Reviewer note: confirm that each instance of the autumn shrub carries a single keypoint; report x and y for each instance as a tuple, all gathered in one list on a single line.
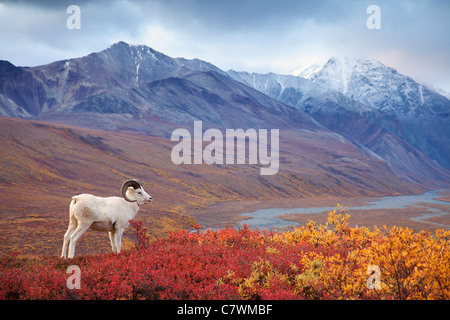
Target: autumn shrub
[(142, 240), (315, 261)]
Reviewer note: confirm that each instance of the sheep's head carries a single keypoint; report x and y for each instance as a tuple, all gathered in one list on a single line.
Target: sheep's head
[(132, 191)]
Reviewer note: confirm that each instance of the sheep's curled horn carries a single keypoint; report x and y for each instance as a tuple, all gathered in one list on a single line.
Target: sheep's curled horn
[(135, 183)]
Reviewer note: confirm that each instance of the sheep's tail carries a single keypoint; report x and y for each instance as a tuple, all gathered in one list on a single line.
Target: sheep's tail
[(74, 200), (72, 204)]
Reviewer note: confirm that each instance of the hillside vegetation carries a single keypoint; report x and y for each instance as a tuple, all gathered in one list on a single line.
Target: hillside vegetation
[(329, 261), (44, 164)]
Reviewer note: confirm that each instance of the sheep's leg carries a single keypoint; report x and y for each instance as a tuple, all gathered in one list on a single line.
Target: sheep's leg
[(112, 238), (70, 229), (118, 235), (82, 228)]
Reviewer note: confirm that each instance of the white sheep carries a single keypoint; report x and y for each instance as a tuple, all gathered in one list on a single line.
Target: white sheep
[(104, 214)]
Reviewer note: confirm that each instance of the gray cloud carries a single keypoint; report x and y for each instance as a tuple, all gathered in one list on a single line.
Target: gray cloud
[(253, 35)]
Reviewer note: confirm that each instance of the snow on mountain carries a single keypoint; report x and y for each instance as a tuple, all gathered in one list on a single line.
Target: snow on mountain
[(296, 91), (63, 85), (278, 86), (339, 73), (135, 88), (305, 72), (408, 109), (378, 86), (347, 93)]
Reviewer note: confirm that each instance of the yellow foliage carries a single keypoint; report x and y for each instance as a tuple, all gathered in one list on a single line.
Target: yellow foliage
[(261, 277), (411, 265), (308, 282)]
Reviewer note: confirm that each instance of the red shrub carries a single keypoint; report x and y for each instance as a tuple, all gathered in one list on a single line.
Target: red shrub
[(222, 264)]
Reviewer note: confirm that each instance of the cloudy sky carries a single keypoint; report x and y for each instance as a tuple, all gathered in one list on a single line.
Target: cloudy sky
[(251, 35)]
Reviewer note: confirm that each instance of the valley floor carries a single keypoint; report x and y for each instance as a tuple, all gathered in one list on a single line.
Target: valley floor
[(41, 234), (316, 261), (44, 164), (423, 216)]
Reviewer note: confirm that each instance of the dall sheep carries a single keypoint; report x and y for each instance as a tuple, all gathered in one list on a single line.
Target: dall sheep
[(104, 214)]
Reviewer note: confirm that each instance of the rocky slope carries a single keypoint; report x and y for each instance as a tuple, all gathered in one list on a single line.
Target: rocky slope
[(406, 108), (408, 141), (137, 89)]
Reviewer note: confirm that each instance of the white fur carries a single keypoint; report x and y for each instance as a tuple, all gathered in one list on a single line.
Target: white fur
[(102, 214)]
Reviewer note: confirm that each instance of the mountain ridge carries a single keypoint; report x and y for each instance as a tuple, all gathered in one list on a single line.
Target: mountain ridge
[(367, 89), (376, 85), (44, 164), (133, 88)]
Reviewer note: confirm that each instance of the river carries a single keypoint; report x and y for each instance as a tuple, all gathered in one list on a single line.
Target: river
[(269, 218)]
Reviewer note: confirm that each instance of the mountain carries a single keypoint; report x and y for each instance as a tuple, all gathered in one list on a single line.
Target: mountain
[(380, 87), (408, 109), (139, 89), (43, 164), (135, 89), (354, 120), (63, 85), (411, 111), (60, 85), (108, 116)]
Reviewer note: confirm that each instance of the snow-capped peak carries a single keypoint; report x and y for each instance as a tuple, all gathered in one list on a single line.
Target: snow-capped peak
[(306, 72), (375, 85), (339, 72)]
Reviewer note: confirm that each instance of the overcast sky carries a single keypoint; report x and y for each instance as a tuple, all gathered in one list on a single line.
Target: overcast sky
[(252, 35)]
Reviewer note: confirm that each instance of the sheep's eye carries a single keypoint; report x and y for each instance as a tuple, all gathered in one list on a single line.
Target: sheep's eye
[(140, 193)]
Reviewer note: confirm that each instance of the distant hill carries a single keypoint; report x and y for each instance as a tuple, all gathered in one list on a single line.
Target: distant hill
[(84, 125), (44, 164), (351, 94), (137, 88), (133, 88)]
